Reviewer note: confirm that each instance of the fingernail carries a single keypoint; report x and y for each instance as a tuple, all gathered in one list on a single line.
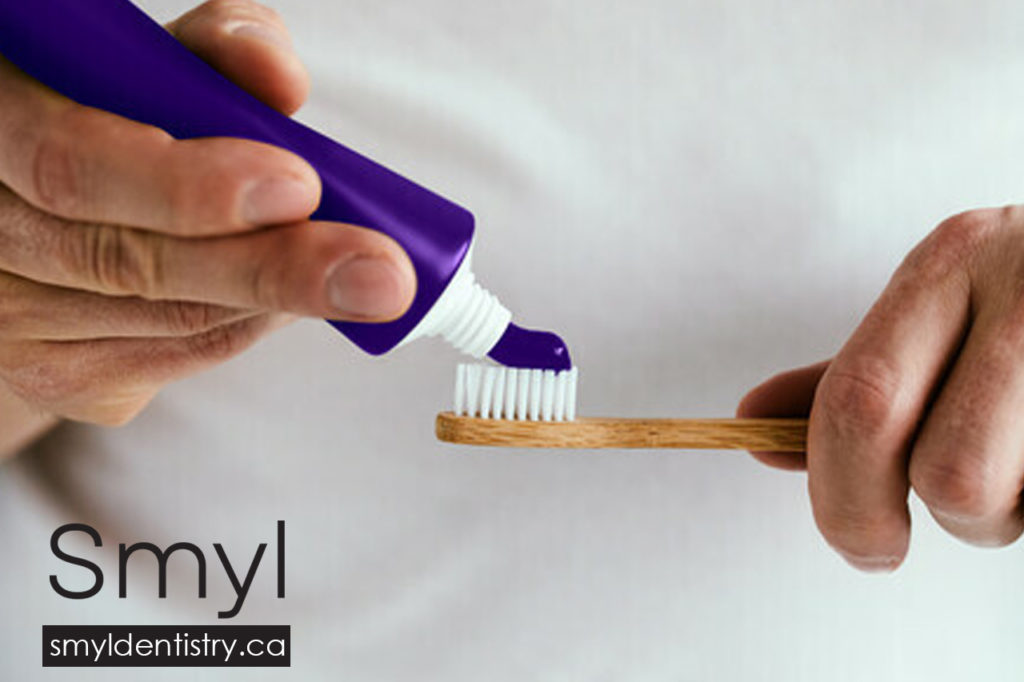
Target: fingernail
[(369, 287), (871, 564), (262, 32), (278, 200)]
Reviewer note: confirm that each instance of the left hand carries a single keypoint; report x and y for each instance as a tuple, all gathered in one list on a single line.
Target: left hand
[(928, 393)]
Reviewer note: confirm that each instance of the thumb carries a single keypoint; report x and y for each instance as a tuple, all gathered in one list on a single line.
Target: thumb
[(789, 394), (249, 44)]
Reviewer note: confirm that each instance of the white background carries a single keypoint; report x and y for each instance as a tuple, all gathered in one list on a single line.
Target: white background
[(696, 195)]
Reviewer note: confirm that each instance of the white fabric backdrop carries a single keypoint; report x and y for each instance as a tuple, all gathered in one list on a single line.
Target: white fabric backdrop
[(695, 194)]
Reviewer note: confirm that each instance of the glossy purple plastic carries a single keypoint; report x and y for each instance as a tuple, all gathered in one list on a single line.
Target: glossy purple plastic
[(110, 55)]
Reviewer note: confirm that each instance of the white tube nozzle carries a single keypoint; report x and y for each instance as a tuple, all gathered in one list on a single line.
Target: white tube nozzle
[(468, 316)]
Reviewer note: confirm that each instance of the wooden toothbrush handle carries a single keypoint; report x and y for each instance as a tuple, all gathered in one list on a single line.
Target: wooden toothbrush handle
[(770, 435)]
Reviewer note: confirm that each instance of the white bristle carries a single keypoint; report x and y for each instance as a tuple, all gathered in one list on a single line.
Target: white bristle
[(560, 378), (511, 395), (523, 393), (547, 396), (536, 388), (498, 401), (570, 394), (460, 390), (492, 392), (473, 375), (487, 392)]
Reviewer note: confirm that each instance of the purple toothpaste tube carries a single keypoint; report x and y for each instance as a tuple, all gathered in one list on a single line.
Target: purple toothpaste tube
[(110, 55)]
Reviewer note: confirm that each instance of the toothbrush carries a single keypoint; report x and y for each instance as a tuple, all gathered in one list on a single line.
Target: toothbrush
[(532, 408), (767, 435), (110, 55)]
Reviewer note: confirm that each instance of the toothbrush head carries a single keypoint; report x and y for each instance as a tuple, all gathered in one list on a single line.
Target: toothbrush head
[(492, 392)]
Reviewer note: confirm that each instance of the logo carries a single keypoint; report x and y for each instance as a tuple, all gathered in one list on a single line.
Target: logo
[(168, 645)]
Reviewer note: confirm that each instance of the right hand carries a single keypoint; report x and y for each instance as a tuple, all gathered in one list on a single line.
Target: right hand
[(129, 259)]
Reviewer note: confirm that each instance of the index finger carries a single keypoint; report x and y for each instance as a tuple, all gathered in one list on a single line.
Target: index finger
[(85, 164)]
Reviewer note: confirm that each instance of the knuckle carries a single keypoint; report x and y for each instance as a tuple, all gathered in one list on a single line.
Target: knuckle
[(264, 287), (953, 486), (59, 382), (961, 234), (39, 380), (72, 155), (223, 342), (868, 397), (952, 245), (116, 260), (54, 183), (207, 181), (185, 318)]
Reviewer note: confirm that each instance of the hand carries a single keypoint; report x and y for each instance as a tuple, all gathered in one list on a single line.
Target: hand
[(129, 259), (927, 394)]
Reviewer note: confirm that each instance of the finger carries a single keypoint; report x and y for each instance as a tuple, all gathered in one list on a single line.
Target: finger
[(876, 390), (33, 311), (249, 44), (320, 269), (967, 464), (317, 269), (86, 164), (789, 394), (108, 381)]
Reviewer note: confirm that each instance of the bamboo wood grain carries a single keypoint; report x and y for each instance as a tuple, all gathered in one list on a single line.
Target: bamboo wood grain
[(773, 435)]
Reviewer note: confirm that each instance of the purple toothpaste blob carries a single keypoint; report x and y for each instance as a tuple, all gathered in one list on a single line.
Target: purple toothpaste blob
[(530, 348)]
